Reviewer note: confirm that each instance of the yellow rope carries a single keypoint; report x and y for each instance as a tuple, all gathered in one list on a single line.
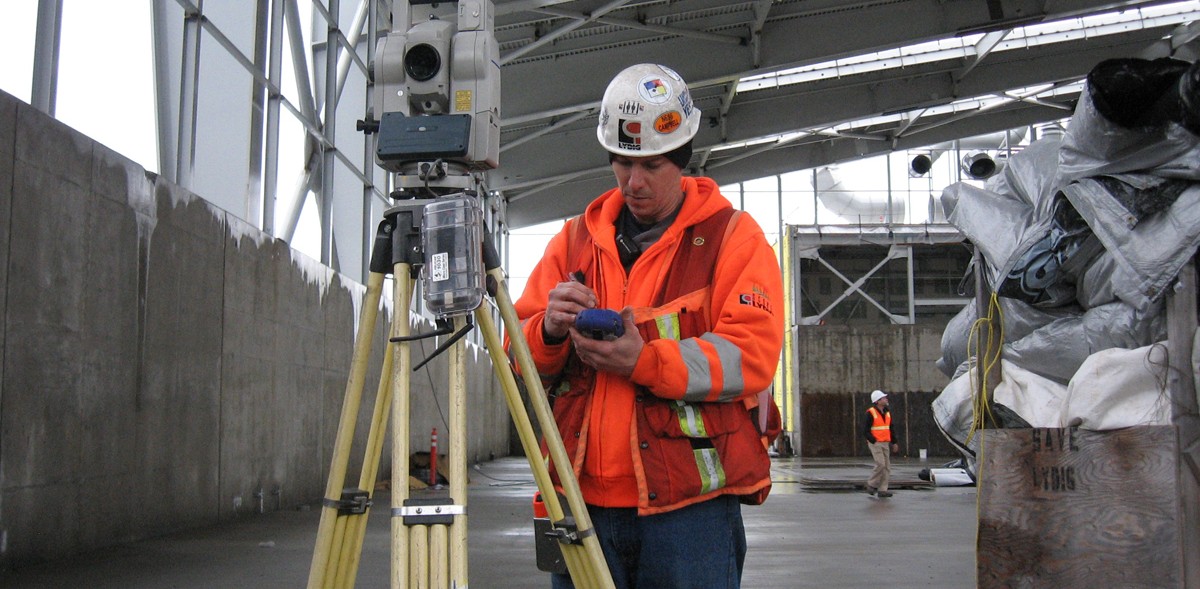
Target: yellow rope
[(981, 407), (987, 359)]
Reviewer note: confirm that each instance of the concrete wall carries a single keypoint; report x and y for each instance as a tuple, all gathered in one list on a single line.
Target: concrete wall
[(163, 360), (894, 358), (839, 366)]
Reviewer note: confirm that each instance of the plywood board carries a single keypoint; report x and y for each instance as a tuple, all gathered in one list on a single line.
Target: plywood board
[(1076, 508)]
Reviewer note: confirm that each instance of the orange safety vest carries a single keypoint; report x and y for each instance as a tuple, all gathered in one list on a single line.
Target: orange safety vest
[(689, 451), (881, 424)]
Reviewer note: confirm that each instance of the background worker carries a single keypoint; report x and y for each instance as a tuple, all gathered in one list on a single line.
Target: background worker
[(660, 423), (881, 439)]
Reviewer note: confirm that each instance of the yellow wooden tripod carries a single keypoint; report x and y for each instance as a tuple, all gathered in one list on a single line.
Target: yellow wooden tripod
[(429, 540)]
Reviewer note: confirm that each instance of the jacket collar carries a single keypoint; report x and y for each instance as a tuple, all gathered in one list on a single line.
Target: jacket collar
[(702, 198)]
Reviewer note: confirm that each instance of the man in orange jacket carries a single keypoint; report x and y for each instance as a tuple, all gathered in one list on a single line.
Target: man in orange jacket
[(881, 439), (661, 423)]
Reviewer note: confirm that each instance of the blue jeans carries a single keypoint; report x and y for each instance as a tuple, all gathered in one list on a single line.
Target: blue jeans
[(700, 546)]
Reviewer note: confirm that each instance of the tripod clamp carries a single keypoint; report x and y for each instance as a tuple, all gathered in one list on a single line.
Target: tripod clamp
[(353, 502), (566, 531), (428, 511)]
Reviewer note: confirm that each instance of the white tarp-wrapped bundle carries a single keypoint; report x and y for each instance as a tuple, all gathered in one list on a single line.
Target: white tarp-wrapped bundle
[(1112, 389), (1080, 238), (1120, 388), (1022, 394)]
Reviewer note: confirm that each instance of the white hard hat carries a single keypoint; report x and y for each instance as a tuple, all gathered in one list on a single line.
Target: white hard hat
[(877, 395), (646, 110)]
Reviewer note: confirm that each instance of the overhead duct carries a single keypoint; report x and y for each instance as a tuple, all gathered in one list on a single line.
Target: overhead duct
[(854, 205), (1053, 130), (920, 165), (934, 211), (979, 165), (999, 142)]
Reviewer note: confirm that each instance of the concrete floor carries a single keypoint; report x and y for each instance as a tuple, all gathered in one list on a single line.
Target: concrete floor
[(813, 531)]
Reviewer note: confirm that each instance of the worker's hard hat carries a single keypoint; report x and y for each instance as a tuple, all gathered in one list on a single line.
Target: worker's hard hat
[(877, 395), (646, 110)]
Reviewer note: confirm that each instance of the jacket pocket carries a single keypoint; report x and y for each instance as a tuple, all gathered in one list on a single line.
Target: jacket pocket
[(679, 419), (570, 406)]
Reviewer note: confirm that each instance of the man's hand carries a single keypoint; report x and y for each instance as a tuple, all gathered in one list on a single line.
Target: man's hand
[(565, 301), (895, 448), (618, 356)]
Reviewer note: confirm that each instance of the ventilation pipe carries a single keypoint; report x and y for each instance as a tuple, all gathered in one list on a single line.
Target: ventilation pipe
[(854, 205), (934, 211), (1000, 141), (978, 165), (1051, 131), (920, 165), (977, 149), (874, 207), (977, 160)]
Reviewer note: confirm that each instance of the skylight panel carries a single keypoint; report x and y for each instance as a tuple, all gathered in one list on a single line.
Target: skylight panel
[(962, 105), (959, 47)]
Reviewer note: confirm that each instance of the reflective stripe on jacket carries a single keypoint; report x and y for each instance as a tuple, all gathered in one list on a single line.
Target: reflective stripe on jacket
[(678, 430), (881, 424)]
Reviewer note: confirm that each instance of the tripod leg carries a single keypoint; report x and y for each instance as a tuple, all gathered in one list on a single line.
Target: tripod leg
[(401, 413), (337, 555), (439, 557), (345, 435), (590, 569), (457, 532), (528, 438), (554, 444), (356, 526), (418, 557)]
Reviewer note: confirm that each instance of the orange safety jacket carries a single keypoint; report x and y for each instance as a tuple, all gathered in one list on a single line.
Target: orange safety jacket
[(682, 428), (881, 424)]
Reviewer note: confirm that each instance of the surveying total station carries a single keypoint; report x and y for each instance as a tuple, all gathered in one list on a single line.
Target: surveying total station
[(437, 85)]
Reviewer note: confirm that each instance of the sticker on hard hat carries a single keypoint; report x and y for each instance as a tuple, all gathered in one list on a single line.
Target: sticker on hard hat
[(668, 122), (631, 107), (685, 102), (654, 90), (629, 134)]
